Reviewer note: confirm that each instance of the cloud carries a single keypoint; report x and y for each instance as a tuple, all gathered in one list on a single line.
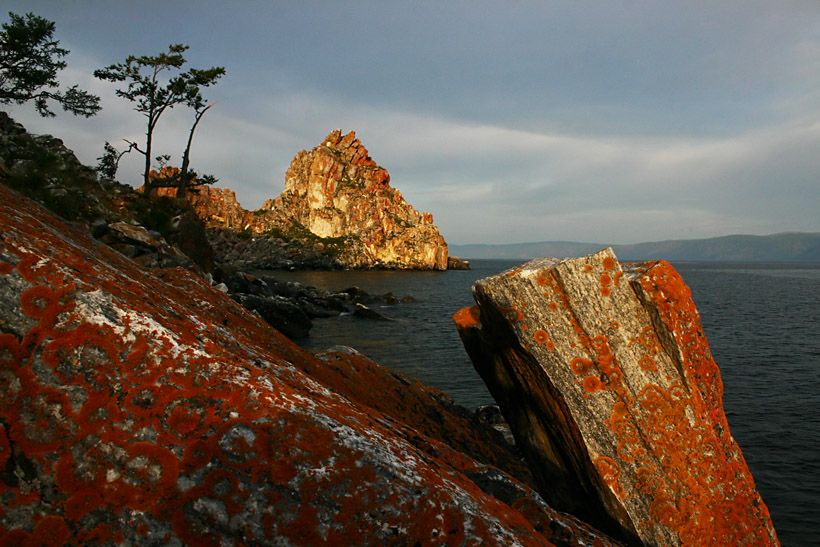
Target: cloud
[(499, 184), (489, 183)]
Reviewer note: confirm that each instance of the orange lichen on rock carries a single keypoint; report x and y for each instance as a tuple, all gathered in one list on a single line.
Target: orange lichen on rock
[(648, 364), (638, 407), (593, 384), (581, 366), (512, 314), (130, 413), (609, 471)]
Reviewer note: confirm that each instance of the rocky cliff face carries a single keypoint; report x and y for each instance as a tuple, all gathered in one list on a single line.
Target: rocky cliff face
[(338, 201), (218, 207), (336, 190), (606, 378), (143, 407), (258, 240)]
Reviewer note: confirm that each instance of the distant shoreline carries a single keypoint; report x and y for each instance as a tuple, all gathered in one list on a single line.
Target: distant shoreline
[(797, 247)]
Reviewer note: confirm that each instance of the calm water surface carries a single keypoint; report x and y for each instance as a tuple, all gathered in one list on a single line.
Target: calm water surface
[(763, 326)]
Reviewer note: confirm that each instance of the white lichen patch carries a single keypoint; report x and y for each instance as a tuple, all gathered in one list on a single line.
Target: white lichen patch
[(111, 475)]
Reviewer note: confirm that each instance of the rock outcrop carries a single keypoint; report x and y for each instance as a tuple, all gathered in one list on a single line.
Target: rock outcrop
[(290, 307), (336, 190), (217, 207), (155, 232), (338, 209), (145, 407), (455, 263), (606, 378), (45, 170)]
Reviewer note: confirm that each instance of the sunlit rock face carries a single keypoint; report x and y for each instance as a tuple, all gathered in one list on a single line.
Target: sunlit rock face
[(336, 200), (144, 407), (336, 190), (219, 207), (605, 376)]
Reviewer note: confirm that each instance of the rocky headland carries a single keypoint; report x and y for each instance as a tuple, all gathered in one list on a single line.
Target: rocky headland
[(338, 210), (160, 231)]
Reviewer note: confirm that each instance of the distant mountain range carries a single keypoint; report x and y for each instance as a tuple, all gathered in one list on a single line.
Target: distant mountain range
[(784, 247)]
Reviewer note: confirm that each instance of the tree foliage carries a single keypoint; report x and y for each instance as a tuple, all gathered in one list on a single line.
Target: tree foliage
[(156, 84), (109, 162), (29, 62)]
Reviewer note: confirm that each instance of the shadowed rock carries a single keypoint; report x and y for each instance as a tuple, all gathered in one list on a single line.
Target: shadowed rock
[(405, 400), (605, 376), (364, 312), (145, 407), (281, 313)]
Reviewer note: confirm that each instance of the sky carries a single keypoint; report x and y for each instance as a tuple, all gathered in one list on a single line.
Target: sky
[(511, 121)]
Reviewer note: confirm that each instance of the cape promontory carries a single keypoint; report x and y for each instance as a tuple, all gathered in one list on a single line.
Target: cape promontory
[(340, 207)]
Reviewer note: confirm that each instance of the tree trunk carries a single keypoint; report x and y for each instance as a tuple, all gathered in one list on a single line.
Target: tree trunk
[(146, 177), (184, 175)]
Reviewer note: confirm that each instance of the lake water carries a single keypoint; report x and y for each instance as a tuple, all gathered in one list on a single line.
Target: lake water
[(763, 326)]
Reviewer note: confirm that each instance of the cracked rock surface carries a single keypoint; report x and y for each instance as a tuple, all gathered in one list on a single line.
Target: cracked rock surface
[(605, 376)]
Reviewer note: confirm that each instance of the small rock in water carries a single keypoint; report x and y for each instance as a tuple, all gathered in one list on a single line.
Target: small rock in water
[(367, 313)]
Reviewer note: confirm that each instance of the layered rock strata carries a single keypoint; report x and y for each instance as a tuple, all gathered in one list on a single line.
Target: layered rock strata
[(605, 376), (149, 408)]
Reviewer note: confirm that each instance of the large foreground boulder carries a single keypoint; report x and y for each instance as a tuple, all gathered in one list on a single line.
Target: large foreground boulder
[(606, 378), (147, 408)]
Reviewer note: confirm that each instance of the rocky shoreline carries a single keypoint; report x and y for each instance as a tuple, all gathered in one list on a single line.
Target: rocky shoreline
[(290, 307), (338, 210), (162, 231), (147, 397), (146, 406)]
